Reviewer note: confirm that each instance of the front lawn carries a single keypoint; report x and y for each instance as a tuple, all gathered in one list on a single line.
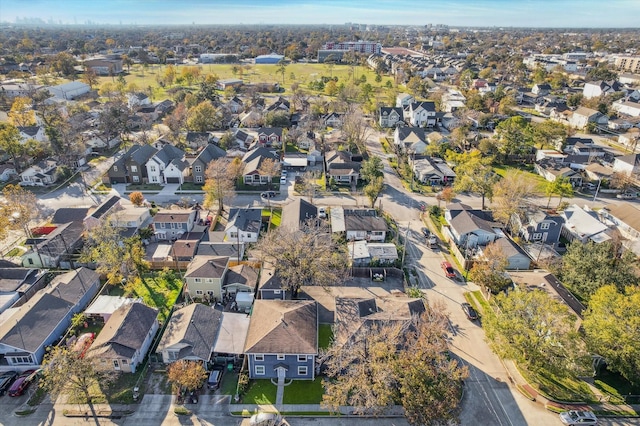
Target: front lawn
[(144, 187), (303, 392), (260, 392), (276, 216)]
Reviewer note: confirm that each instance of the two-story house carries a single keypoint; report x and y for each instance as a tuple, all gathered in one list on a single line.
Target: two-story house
[(538, 227), (471, 227), (131, 167), (167, 165), (391, 117), (40, 174), (282, 342), (199, 165), (412, 140), (171, 224), (204, 276), (244, 225), (253, 161), (421, 114), (343, 167)]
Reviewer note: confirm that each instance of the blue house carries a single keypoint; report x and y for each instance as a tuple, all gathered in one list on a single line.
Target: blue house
[(269, 285), (539, 227), (282, 341)]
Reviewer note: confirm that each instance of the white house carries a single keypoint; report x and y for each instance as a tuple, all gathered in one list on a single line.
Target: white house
[(626, 107), (628, 164), (69, 91), (171, 159), (137, 99), (583, 225), (595, 89), (583, 116), (422, 114), (243, 225), (7, 171), (32, 132), (40, 174), (404, 100)]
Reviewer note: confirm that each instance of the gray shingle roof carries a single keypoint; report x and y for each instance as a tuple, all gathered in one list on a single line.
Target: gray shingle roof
[(298, 213), (205, 266), (196, 326)]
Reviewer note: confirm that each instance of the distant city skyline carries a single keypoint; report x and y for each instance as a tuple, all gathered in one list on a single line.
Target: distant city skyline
[(477, 13)]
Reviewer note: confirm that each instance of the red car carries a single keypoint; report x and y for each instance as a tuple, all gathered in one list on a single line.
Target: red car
[(449, 272), (22, 383)]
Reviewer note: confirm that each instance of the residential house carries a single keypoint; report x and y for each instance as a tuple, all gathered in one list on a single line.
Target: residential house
[(104, 66), (241, 278), (365, 253), (307, 141), (551, 171), (433, 171), (626, 107), (185, 248), (583, 225), (243, 139), (197, 139), (595, 89), (410, 139), (582, 116), (107, 208), (69, 91), (41, 174), (253, 161), (171, 224), (453, 100), (538, 227), (131, 219), (517, 259), (18, 285), (235, 105), (167, 165), (205, 275), (199, 165), (357, 317), (55, 249), (282, 342), (403, 100), (343, 167), (391, 117), (270, 136), (7, 172), (625, 217), (190, 334), (125, 338), (421, 114), (469, 227), (131, 167), (32, 132), (298, 214), (270, 286), (332, 119), (279, 105), (39, 323), (358, 224), (244, 225), (138, 99), (628, 164), (542, 89)]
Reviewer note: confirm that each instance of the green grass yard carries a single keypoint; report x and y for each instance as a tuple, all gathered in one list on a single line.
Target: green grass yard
[(325, 336), (260, 392), (303, 392)]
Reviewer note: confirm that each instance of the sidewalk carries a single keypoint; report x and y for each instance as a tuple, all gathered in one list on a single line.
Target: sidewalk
[(395, 411)]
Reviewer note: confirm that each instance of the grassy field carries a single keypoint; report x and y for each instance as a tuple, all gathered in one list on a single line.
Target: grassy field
[(303, 392), (157, 290), (260, 392)]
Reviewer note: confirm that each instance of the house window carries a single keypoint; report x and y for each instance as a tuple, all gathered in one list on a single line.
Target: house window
[(21, 360), (302, 370), (198, 280), (162, 226), (198, 179), (115, 168), (199, 292), (116, 364), (537, 236), (258, 357), (210, 293), (173, 355), (125, 362), (544, 225), (136, 178), (280, 357), (209, 280), (276, 291), (134, 169), (259, 370), (152, 168), (197, 169), (30, 261), (233, 234), (302, 358)]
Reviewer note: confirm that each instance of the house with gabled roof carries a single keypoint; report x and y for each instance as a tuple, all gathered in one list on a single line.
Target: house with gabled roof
[(421, 114), (172, 224), (552, 170), (40, 174), (190, 334), (131, 167), (199, 165), (358, 224), (628, 164), (106, 208), (125, 338), (470, 227), (282, 342), (595, 89), (252, 163), (625, 217), (269, 284), (32, 132), (433, 171), (581, 117), (410, 139), (55, 249), (205, 275), (235, 105), (241, 278), (280, 104), (167, 165), (298, 214), (197, 139), (343, 167), (538, 226), (583, 225), (244, 225), (391, 116), (270, 136)]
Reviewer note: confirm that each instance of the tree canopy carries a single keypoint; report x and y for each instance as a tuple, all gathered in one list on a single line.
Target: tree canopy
[(474, 173), (185, 374)]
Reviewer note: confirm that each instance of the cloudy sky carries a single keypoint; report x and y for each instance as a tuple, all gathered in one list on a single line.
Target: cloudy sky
[(517, 13)]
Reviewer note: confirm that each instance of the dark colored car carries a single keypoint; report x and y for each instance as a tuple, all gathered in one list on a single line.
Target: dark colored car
[(268, 194), (449, 272), (469, 311), (22, 383), (215, 377), (426, 232), (5, 381)]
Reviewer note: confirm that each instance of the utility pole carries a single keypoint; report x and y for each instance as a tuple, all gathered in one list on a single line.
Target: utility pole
[(406, 237)]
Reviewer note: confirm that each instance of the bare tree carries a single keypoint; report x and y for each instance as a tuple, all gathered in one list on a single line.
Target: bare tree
[(355, 128), (269, 167), (510, 195), (305, 257), (220, 183)]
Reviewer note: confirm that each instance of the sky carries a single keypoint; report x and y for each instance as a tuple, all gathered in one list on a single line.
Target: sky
[(485, 13)]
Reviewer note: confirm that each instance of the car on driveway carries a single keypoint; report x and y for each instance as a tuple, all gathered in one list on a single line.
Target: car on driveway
[(469, 311), (449, 272), (283, 180), (425, 232), (268, 194), (574, 417), (5, 381), (215, 377), (22, 383)]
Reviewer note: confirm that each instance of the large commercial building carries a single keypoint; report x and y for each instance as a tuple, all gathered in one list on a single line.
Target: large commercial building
[(269, 59), (628, 63), (368, 47)]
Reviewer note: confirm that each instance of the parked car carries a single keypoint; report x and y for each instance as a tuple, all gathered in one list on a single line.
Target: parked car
[(22, 383), (626, 196), (433, 242), (449, 272), (322, 212), (265, 419), (425, 232), (574, 417), (5, 381), (469, 311), (215, 377), (268, 194), (283, 180)]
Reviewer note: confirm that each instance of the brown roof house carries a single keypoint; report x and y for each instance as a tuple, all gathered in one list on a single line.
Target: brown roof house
[(205, 275), (282, 342), (125, 339)]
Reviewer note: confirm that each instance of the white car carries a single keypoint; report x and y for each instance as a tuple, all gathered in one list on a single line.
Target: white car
[(322, 212), (626, 196), (265, 419), (574, 417), (283, 180)]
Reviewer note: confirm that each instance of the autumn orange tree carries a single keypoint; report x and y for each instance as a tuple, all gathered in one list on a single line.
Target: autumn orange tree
[(187, 374), (136, 198)]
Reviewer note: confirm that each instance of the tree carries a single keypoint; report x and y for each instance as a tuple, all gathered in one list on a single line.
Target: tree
[(90, 77), (510, 194), (269, 167), (219, 185), (514, 137), (10, 143), (395, 362), (612, 326), (374, 189), (489, 272), (203, 117), (474, 173), (548, 133), (560, 186), (532, 328), (64, 371), (307, 257), (355, 128), (21, 113), (371, 168), (614, 266), (277, 119), (189, 375), (281, 68), (176, 121), (137, 198), (20, 208), (601, 72), (331, 88)]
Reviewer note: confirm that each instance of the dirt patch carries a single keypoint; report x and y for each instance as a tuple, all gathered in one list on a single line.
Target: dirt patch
[(156, 381)]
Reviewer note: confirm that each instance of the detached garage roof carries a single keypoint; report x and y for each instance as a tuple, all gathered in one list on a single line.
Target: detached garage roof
[(232, 334)]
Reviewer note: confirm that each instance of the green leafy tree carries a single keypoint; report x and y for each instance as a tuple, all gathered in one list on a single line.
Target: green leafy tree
[(281, 68), (374, 189), (474, 173), (19, 209), (514, 137), (203, 117), (612, 327), (561, 186), (532, 328), (614, 266), (371, 168), (189, 375), (510, 194), (277, 119), (489, 272), (10, 143), (548, 133)]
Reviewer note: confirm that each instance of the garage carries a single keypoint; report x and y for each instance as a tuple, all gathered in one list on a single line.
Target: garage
[(173, 180)]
